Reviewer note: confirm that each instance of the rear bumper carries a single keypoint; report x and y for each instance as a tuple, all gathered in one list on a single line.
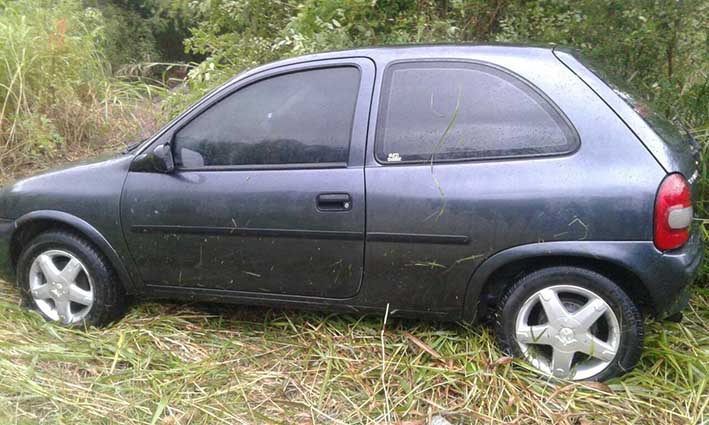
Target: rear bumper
[(6, 270), (681, 302), (669, 276)]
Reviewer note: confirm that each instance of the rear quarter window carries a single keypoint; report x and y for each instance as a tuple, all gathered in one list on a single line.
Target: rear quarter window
[(451, 111)]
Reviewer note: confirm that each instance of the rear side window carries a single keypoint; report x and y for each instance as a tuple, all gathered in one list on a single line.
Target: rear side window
[(299, 118), (447, 111)]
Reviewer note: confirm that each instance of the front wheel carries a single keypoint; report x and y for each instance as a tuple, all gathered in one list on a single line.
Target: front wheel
[(572, 323), (68, 281)]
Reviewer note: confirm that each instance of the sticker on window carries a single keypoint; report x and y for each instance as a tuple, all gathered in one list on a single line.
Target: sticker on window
[(394, 157)]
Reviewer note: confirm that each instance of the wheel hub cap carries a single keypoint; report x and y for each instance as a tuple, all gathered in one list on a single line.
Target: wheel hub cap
[(61, 286), (558, 323), (566, 336), (56, 290)]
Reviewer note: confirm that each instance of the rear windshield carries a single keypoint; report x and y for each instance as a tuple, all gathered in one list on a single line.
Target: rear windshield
[(640, 104)]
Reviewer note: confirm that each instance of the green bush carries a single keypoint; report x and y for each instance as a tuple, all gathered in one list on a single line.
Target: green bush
[(659, 47), (138, 31)]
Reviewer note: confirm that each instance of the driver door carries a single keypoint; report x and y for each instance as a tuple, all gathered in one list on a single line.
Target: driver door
[(268, 191)]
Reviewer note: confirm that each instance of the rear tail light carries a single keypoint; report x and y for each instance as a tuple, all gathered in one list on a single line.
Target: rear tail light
[(673, 213)]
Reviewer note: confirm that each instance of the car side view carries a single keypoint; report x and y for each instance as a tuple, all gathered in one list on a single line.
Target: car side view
[(515, 186)]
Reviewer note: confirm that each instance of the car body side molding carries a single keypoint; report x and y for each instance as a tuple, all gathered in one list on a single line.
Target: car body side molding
[(418, 238), (248, 231), (302, 234)]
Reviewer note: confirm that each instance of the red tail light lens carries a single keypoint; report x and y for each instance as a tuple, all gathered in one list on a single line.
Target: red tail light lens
[(673, 213)]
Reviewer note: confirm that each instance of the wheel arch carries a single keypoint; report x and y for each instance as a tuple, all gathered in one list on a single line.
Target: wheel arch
[(494, 275), (32, 224)]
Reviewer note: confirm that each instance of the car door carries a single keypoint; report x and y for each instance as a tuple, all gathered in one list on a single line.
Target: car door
[(268, 191)]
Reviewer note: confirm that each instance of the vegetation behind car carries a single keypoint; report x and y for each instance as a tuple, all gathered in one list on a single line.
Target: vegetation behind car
[(170, 364)]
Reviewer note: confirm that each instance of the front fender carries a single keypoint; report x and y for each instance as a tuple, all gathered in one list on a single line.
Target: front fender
[(663, 274), (87, 230)]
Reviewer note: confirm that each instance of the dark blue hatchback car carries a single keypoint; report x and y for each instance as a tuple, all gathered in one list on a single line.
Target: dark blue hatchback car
[(505, 184)]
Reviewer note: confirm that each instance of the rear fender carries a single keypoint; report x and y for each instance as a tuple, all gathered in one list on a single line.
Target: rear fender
[(661, 275)]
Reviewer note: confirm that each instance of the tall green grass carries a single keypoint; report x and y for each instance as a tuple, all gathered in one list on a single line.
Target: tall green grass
[(58, 98)]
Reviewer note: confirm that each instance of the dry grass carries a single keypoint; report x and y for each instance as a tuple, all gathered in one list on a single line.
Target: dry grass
[(179, 364), (123, 124)]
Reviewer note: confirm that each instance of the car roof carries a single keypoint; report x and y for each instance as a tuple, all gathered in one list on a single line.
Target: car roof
[(431, 49), (410, 51)]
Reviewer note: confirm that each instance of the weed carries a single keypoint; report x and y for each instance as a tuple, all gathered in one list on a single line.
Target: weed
[(180, 363)]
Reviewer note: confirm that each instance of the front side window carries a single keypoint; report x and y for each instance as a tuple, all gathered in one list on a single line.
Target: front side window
[(298, 118), (442, 111)]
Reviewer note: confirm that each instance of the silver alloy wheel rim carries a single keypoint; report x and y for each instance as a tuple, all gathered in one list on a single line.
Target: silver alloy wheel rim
[(60, 286), (568, 332)]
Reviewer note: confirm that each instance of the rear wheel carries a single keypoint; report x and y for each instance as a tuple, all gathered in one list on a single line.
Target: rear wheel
[(68, 281), (572, 323)]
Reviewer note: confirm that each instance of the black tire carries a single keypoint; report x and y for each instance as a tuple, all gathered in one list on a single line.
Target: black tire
[(108, 293), (625, 310)]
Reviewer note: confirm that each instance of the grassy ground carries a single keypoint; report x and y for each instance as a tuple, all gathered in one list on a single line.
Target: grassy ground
[(179, 363)]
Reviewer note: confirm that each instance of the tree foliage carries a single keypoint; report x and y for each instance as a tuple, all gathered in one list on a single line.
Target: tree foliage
[(145, 30), (658, 46)]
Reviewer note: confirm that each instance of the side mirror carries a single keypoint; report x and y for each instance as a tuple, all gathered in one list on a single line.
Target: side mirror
[(162, 159), (159, 160)]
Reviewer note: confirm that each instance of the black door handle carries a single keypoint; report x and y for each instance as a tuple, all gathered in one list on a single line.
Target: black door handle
[(334, 202)]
